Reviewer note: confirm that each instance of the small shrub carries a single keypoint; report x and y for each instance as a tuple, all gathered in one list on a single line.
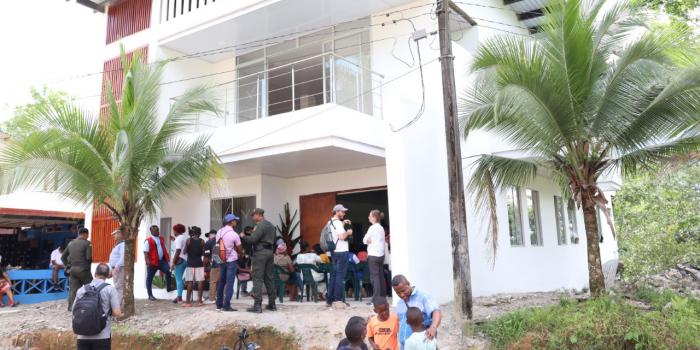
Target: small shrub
[(601, 323)]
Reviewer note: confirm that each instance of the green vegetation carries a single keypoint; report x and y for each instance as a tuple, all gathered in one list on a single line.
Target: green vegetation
[(677, 8), (42, 100), (658, 221), (129, 160), (596, 91), (602, 323)]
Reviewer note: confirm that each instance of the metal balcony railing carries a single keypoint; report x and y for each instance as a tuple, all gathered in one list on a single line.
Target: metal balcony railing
[(309, 82), (172, 9)]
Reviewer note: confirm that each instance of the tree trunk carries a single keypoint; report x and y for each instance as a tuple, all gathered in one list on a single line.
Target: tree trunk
[(596, 279), (129, 238)]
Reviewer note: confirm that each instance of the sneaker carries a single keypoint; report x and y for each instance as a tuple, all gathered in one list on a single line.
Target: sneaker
[(152, 298), (229, 309), (218, 308), (271, 307)]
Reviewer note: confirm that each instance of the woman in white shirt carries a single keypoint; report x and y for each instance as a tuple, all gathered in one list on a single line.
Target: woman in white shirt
[(374, 239)]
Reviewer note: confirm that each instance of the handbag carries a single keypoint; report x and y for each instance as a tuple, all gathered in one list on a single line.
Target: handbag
[(222, 248)]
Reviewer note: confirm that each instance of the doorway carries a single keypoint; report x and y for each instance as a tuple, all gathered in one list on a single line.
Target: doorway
[(315, 211)]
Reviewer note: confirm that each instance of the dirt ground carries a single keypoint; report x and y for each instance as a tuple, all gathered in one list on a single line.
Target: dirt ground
[(312, 325)]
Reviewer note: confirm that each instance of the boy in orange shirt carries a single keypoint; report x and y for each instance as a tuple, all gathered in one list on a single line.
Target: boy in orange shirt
[(383, 329)]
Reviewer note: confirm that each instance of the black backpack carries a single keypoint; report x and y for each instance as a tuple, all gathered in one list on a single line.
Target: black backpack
[(88, 316)]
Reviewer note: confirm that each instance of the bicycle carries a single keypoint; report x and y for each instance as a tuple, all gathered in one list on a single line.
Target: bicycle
[(241, 344)]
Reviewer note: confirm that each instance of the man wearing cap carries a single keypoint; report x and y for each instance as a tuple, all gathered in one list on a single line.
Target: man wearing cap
[(229, 239), (340, 254), (116, 263), (263, 239)]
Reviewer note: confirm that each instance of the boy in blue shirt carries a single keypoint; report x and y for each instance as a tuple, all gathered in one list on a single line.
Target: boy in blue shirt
[(410, 296)]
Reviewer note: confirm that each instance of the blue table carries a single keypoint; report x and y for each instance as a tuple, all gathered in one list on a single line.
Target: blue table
[(36, 286)]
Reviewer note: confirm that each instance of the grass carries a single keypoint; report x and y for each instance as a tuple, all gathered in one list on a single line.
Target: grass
[(602, 323)]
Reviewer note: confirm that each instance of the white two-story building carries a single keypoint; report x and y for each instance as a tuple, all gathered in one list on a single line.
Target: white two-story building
[(336, 101)]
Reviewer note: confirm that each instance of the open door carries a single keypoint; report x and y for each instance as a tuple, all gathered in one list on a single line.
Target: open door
[(315, 212)]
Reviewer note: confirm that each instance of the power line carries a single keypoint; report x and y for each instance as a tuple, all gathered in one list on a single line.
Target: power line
[(233, 70), (263, 42), (337, 104)]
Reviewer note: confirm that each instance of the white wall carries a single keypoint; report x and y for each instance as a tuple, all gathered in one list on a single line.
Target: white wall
[(416, 162)]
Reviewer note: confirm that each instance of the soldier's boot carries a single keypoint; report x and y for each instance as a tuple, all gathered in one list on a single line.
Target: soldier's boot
[(257, 308)]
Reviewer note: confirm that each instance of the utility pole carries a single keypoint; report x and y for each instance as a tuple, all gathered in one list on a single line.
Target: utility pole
[(458, 216)]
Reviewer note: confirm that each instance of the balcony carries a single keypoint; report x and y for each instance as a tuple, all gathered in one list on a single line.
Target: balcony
[(191, 26), (286, 87)]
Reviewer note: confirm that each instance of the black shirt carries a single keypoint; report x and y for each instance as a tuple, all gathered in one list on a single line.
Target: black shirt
[(194, 252), (345, 342)]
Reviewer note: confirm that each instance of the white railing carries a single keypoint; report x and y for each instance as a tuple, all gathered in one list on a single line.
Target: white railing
[(309, 82), (172, 9)]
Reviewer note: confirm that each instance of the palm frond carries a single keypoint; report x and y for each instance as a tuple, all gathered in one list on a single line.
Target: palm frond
[(492, 173)]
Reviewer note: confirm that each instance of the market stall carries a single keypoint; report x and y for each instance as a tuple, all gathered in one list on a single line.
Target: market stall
[(27, 238)]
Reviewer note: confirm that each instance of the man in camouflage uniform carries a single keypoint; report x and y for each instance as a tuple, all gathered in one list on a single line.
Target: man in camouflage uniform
[(263, 240)]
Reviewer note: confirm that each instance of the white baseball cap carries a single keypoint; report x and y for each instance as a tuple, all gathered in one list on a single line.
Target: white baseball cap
[(339, 207)]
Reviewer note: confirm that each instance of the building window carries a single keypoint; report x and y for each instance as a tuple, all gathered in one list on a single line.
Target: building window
[(331, 65), (515, 222), (239, 206), (561, 220), (598, 217), (532, 198), (573, 222)]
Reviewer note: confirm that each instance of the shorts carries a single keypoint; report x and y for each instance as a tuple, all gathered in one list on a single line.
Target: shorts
[(194, 274), (4, 286)]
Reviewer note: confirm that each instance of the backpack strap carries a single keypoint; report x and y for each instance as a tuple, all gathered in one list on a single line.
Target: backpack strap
[(332, 224), (99, 296)]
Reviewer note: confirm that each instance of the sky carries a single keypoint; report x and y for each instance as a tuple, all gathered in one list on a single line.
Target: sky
[(49, 43)]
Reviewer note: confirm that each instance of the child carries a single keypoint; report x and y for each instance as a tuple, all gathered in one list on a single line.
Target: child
[(418, 340), (383, 329), (356, 332), (194, 247), (6, 288)]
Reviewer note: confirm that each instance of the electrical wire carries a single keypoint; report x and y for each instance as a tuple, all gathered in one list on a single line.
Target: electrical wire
[(259, 42), (421, 110), (337, 104)]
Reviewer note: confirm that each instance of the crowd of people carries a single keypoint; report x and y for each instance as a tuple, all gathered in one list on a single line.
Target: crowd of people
[(253, 254)]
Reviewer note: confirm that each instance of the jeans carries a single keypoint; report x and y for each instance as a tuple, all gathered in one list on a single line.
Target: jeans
[(376, 276), (226, 278), (179, 271), (336, 290), (151, 272)]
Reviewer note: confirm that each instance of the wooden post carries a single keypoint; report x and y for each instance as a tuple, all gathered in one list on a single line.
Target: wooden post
[(458, 216)]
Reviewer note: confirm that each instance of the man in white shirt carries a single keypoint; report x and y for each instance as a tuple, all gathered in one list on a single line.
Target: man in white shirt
[(340, 255), (116, 263), (308, 256), (56, 264)]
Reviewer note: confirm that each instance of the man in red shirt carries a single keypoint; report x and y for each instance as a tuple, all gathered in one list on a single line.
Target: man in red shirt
[(156, 257)]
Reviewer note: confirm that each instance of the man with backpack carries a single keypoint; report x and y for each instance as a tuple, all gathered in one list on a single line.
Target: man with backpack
[(229, 248), (335, 239), (93, 306)]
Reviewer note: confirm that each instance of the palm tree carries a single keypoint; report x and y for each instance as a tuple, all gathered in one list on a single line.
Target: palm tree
[(130, 161), (596, 92)]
